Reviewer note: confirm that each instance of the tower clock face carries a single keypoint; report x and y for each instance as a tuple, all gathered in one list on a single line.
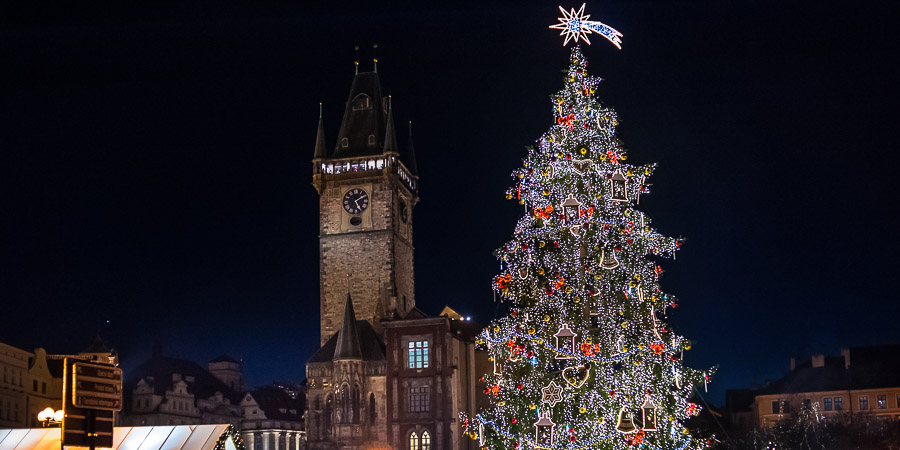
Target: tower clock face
[(356, 201)]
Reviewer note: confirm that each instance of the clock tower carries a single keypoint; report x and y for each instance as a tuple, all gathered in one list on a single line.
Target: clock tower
[(367, 191)]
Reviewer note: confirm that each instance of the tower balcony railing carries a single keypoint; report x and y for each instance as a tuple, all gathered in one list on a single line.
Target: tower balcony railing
[(366, 165)]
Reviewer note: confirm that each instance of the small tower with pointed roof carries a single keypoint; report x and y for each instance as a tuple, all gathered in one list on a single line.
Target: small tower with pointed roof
[(367, 191)]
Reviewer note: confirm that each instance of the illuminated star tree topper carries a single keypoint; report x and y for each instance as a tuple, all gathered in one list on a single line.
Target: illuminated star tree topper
[(575, 25)]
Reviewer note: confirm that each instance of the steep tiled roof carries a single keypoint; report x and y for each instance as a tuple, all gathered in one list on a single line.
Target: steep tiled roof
[(272, 400), (371, 345), (348, 344), (870, 367)]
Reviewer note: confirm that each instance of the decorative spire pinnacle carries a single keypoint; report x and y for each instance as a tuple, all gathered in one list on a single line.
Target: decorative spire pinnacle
[(390, 136), (356, 60), (320, 137), (375, 57), (348, 345), (411, 153)]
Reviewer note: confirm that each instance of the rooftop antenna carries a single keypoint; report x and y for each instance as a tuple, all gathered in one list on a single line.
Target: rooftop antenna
[(375, 56), (348, 283), (355, 60)]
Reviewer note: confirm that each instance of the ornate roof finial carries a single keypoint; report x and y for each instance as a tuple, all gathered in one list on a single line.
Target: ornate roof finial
[(375, 57), (356, 60)]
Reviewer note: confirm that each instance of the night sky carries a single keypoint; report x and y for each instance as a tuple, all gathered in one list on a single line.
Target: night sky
[(155, 166)]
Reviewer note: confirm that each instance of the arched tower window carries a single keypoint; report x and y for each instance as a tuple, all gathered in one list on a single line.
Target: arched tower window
[(413, 441), (356, 403), (362, 101), (345, 143), (372, 413), (426, 441), (345, 404), (371, 139)]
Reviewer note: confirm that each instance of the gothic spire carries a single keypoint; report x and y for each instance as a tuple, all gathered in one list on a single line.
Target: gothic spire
[(348, 345), (390, 136), (320, 137), (411, 153)]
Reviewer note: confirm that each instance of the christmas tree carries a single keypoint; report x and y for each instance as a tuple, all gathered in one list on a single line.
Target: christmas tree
[(584, 359)]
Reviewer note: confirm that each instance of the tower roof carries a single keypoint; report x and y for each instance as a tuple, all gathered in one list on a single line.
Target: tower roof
[(365, 114), (348, 344)]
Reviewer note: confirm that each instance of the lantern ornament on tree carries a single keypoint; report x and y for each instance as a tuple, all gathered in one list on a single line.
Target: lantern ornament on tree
[(648, 410), (617, 187), (565, 343), (626, 422), (543, 429), (571, 209)]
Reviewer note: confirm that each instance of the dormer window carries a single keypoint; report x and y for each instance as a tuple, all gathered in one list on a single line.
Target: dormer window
[(345, 143), (371, 139), (362, 101)]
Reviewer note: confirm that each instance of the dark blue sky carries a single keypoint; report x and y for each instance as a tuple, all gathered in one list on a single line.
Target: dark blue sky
[(155, 165)]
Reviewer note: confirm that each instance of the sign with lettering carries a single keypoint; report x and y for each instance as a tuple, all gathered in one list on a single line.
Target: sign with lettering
[(96, 386)]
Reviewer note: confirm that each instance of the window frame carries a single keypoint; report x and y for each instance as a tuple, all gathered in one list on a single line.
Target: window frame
[(881, 401), (863, 402), (827, 406), (418, 353)]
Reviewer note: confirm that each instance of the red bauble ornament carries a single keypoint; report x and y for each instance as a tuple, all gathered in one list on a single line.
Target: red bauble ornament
[(514, 420), (618, 248), (673, 357), (568, 156), (555, 244), (612, 393), (630, 241)]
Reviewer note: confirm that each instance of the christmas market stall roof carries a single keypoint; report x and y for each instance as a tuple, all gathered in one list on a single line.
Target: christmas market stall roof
[(187, 437)]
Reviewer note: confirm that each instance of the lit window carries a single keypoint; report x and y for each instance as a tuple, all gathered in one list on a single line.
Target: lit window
[(882, 401), (426, 441), (418, 354), (828, 404), (419, 399), (863, 402), (413, 441)]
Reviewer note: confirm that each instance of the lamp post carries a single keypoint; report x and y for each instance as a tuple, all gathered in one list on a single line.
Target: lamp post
[(49, 417)]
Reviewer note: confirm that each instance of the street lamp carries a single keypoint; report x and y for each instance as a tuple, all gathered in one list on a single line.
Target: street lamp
[(50, 417)]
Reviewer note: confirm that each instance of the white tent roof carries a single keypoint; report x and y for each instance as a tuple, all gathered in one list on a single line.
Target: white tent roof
[(186, 437)]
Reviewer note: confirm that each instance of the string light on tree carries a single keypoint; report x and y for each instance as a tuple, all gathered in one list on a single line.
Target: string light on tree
[(585, 352)]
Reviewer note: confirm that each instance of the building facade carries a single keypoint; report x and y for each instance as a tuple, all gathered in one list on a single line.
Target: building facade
[(171, 391), (13, 397), (861, 384), (368, 389)]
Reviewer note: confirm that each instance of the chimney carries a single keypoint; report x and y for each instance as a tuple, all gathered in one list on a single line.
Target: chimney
[(846, 353), (793, 363), (818, 360)]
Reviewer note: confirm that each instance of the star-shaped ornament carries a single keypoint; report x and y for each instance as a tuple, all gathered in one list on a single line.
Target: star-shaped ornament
[(552, 394), (575, 25)]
